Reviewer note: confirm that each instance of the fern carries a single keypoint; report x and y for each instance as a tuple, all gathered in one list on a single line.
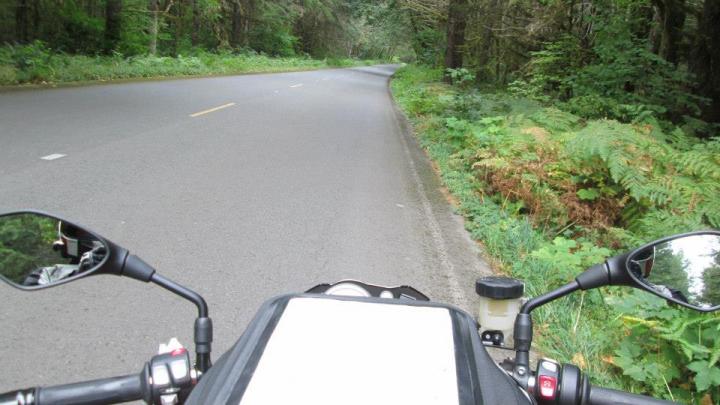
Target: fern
[(555, 120), (702, 160), (675, 186)]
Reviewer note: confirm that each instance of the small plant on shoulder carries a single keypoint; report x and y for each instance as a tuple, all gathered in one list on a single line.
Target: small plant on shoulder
[(460, 77)]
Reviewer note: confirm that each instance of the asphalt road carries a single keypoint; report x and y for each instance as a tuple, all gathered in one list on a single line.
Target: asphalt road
[(307, 178)]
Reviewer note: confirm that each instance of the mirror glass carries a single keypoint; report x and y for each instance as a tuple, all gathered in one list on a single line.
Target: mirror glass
[(686, 269), (37, 250)]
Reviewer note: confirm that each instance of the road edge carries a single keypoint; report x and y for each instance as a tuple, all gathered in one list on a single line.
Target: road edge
[(441, 222)]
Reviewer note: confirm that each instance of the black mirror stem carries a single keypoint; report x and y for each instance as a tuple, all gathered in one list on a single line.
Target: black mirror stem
[(523, 329), (136, 268), (203, 324), (611, 272)]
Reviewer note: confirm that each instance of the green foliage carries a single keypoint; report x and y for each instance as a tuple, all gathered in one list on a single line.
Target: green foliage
[(134, 36), (36, 63), (28, 63), (318, 28), (381, 31), (550, 71), (570, 257), (461, 77), (428, 45), (274, 36), (81, 33), (667, 347), (618, 77), (26, 244), (658, 180)]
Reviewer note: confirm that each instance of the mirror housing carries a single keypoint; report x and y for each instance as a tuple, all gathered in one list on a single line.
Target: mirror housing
[(611, 272)]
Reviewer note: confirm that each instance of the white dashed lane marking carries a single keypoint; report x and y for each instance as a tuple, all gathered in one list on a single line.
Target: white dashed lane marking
[(296, 85), (53, 156)]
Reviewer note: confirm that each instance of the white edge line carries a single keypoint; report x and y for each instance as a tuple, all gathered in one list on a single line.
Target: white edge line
[(197, 114)]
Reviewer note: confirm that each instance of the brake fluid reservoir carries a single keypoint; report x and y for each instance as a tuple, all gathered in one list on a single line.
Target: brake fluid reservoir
[(500, 301)]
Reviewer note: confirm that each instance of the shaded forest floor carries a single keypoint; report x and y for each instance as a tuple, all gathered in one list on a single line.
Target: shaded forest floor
[(548, 194), (36, 65)]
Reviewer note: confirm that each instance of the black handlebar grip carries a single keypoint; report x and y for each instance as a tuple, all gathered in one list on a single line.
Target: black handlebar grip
[(104, 391), (606, 396)]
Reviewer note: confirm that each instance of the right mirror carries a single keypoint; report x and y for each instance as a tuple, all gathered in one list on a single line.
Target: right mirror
[(684, 269)]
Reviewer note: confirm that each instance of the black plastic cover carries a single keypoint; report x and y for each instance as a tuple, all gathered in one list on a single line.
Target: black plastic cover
[(499, 288), (480, 380)]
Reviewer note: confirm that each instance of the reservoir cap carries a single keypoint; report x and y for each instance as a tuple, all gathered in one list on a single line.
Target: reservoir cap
[(499, 288)]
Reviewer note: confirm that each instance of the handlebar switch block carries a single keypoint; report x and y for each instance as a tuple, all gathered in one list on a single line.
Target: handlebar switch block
[(547, 381), (171, 377)]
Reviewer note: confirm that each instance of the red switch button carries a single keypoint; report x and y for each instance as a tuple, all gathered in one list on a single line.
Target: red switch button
[(178, 351), (548, 386)]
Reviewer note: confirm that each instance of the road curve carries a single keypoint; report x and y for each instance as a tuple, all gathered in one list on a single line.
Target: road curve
[(240, 187)]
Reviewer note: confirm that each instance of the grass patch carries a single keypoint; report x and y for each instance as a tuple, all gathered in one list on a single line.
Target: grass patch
[(549, 194)]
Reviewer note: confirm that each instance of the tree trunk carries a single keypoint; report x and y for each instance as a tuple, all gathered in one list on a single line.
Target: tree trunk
[(457, 19), (21, 21), (671, 16), (236, 32), (113, 27), (490, 18), (178, 22), (705, 62), (155, 11), (195, 36), (249, 10)]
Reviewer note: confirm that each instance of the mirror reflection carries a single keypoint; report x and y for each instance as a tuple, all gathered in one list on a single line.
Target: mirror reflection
[(687, 269), (36, 250)]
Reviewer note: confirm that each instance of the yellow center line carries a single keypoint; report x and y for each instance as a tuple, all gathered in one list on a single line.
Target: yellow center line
[(197, 114)]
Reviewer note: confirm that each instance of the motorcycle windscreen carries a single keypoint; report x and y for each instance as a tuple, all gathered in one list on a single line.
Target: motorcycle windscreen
[(325, 352)]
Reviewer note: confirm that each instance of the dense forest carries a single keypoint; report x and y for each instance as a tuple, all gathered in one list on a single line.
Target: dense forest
[(319, 28)]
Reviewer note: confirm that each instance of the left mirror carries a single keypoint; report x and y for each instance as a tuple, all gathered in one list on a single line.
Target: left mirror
[(37, 250)]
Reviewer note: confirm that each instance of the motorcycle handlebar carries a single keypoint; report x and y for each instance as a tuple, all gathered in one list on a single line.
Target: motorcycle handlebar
[(607, 396), (103, 391)]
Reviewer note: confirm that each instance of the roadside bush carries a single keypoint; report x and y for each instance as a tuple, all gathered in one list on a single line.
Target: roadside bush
[(667, 349), (31, 62), (461, 77), (618, 78), (36, 63)]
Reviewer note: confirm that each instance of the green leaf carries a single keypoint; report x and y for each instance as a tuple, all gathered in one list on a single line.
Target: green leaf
[(588, 194), (636, 372), (705, 375)]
